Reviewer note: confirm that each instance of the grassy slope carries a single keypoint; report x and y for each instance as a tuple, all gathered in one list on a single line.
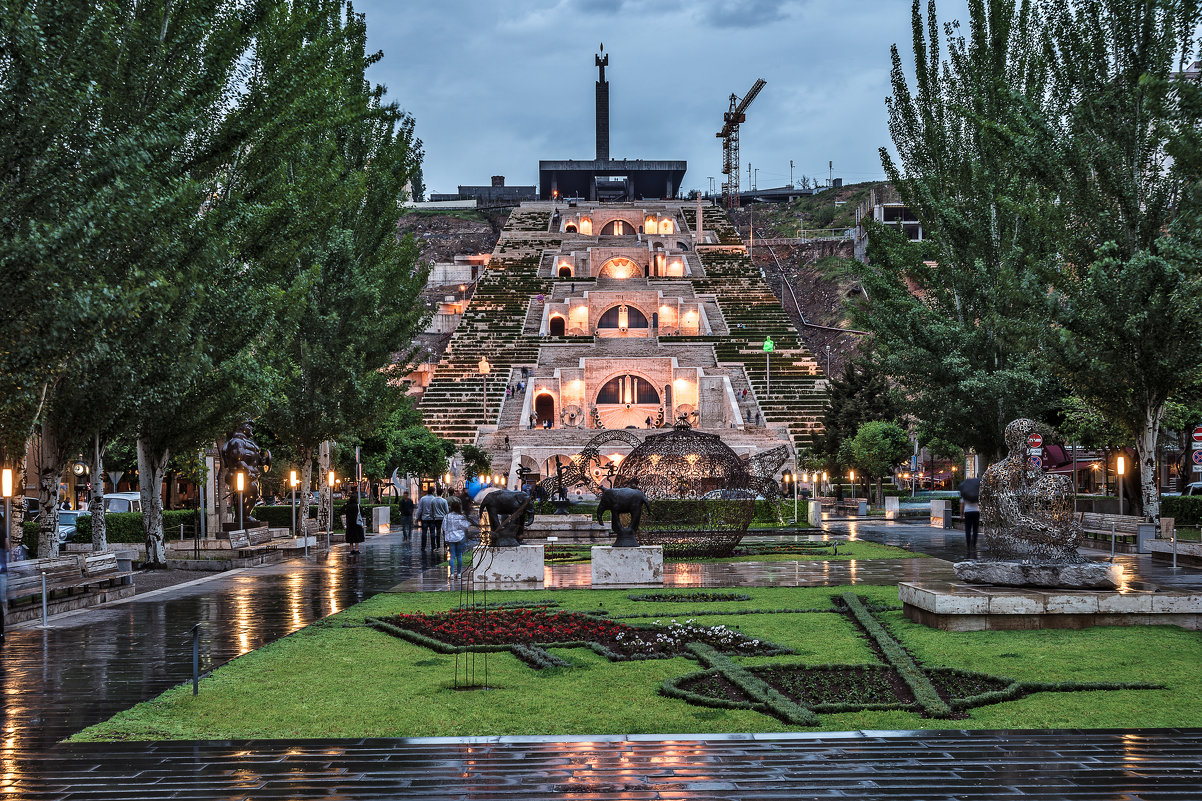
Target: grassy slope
[(337, 678)]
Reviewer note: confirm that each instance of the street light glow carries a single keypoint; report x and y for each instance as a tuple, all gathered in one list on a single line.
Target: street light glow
[(6, 482)]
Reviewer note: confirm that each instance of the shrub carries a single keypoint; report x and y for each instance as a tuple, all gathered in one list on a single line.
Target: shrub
[(29, 538), (127, 526), (1186, 510)]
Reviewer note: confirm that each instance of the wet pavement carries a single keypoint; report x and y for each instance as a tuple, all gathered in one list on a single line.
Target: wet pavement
[(91, 664)]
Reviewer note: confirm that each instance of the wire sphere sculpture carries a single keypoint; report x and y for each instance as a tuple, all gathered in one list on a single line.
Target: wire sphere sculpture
[(702, 493)]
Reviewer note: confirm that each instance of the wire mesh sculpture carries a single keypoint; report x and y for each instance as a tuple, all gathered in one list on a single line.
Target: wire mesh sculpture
[(1027, 514), (702, 493)]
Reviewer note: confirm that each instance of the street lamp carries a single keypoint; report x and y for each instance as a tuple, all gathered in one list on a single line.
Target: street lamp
[(792, 479), (294, 481), (463, 294), (6, 489), (485, 368), (240, 483), (828, 361), (330, 513), (1121, 469), (769, 346)]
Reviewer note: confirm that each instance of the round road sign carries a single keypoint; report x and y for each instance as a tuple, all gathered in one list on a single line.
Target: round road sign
[(1035, 463), (1198, 435), (1035, 441), (1197, 457)]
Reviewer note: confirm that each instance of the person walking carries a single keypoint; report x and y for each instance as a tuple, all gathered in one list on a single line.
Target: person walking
[(441, 508), (406, 509), (355, 533), (970, 509), (425, 515), (456, 527)]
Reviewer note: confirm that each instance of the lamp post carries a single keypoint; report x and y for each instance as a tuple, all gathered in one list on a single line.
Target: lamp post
[(294, 481), (791, 479), (463, 294), (769, 346), (6, 489), (485, 368), (330, 513), (828, 361), (1121, 469), (240, 483)]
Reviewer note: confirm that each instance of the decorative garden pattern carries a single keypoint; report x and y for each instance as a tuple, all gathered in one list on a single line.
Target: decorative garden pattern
[(795, 693)]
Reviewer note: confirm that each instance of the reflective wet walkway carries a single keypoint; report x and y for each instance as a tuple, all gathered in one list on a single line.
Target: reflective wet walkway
[(90, 665)]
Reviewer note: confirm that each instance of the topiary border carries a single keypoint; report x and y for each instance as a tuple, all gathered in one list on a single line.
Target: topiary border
[(924, 692), (685, 597)]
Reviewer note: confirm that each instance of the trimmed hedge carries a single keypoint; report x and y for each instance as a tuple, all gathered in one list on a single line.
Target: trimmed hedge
[(1186, 510), (127, 526)]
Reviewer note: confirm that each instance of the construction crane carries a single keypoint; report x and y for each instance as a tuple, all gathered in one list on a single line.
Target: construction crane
[(730, 141)]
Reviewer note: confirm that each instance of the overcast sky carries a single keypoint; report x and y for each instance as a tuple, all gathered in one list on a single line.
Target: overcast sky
[(495, 86)]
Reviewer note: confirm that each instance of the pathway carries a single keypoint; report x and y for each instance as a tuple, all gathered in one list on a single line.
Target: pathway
[(90, 665)]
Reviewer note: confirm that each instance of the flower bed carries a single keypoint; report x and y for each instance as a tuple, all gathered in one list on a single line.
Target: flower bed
[(469, 628)]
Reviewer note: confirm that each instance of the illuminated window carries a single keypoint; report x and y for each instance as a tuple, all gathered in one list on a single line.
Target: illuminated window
[(627, 389)]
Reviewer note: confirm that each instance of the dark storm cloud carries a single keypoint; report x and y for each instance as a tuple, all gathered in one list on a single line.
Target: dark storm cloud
[(495, 86)]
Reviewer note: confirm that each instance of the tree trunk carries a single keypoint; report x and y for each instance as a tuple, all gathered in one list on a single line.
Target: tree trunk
[(50, 469), (151, 470), (96, 505), (1145, 447), (325, 494), (16, 523), (305, 490), (220, 498)]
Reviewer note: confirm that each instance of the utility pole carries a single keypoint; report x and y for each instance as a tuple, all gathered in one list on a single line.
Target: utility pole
[(755, 182), (830, 176), (749, 175), (710, 178), (790, 173)]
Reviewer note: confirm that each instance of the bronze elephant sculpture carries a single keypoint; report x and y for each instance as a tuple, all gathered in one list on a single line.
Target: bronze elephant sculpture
[(623, 500)]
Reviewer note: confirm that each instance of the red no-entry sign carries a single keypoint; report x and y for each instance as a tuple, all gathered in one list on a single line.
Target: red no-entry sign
[(1036, 440), (1198, 435)]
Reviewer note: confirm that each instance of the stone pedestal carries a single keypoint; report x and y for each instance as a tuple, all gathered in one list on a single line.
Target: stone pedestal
[(1085, 575), (628, 567), (814, 514), (892, 507), (522, 565), (381, 519), (941, 514)]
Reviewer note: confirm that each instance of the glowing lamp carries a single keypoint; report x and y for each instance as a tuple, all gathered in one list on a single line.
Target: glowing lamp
[(240, 481), (6, 482), (292, 479), (1121, 469), (330, 478)]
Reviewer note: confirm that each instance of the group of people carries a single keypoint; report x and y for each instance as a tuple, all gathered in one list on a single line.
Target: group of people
[(513, 390), (441, 515)]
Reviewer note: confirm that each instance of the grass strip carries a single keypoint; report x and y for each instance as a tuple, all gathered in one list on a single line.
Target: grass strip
[(924, 692)]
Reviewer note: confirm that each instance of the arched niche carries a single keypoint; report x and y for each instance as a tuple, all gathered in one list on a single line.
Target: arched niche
[(622, 316), (557, 326), (619, 267), (627, 389), (544, 410)]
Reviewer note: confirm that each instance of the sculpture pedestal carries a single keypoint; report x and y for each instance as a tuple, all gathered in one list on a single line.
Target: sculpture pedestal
[(628, 567), (381, 519), (1084, 575), (892, 507), (522, 565)]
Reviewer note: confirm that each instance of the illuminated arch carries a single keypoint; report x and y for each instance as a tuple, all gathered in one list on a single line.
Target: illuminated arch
[(627, 388), (618, 228), (619, 267), (612, 317)]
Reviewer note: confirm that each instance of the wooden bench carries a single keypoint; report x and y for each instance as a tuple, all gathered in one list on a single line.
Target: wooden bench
[(72, 582), (1098, 526)]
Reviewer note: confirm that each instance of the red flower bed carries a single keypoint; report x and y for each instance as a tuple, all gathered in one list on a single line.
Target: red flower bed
[(464, 627)]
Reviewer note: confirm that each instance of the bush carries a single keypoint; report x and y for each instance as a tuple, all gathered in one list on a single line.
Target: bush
[(29, 538), (280, 516), (1186, 510), (127, 526)]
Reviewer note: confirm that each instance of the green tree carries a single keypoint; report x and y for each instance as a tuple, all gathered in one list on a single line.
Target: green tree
[(355, 314), (861, 395), (1128, 292), (957, 320), (877, 448)]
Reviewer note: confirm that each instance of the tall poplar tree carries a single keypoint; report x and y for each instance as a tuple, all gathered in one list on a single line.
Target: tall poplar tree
[(958, 319), (1128, 293)]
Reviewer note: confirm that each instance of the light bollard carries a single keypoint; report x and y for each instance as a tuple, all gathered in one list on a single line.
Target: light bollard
[(44, 604)]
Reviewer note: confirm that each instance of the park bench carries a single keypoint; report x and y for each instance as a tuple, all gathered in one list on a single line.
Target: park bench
[(1098, 526), (72, 582)]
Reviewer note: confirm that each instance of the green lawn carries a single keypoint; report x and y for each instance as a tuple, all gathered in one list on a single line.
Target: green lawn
[(340, 678), (848, 550)]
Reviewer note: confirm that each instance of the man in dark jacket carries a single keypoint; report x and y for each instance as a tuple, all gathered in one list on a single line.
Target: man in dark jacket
[(406, 509)]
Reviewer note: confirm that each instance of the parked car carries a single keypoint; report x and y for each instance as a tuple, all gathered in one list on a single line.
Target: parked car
[(33, 508), (123, 502), (1193, 489), (66, 524)]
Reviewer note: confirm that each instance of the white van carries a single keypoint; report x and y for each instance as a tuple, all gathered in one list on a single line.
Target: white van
[(123, 502)]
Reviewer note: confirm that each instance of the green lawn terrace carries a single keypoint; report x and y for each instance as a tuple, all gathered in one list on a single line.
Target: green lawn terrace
[(714, 660)]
